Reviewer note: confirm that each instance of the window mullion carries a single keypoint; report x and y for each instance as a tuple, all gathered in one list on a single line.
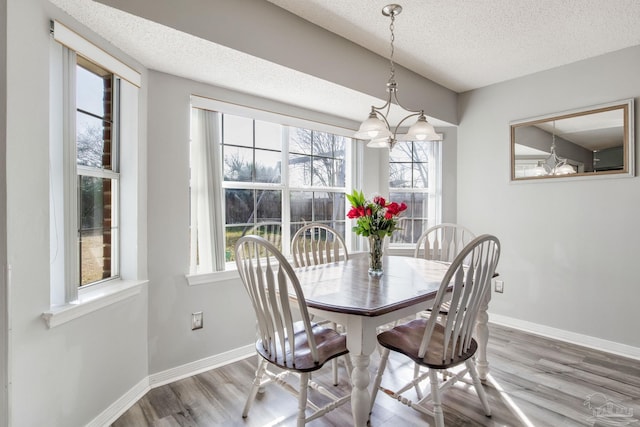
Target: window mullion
[(286, 192)]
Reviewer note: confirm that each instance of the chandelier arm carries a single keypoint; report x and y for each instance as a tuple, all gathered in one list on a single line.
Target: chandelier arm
[(413, 114), (386, 106)]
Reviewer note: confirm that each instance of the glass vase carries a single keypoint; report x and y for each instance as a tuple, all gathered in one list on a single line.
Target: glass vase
[(375, 256)]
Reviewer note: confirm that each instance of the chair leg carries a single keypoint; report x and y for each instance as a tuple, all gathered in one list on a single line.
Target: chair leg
[(262, 366), (334, 362), (435, 396), (302, 398), (376, 383), (471, 366), (416, 372)]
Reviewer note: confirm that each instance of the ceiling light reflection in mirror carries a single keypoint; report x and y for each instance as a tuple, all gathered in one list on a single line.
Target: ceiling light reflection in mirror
[(588, 142)]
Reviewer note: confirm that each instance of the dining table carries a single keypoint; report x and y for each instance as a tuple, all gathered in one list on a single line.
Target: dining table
[(343, 292)]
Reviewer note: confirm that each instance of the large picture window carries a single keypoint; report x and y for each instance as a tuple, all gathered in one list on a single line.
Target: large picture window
[(275, 178)]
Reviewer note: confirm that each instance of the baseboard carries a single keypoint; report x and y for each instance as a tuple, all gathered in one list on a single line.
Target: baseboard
[(567, 336), (202, 365), (126, 401), (120, 406)]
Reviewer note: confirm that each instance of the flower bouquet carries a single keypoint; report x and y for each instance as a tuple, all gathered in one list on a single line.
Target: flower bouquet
[(375, 220)]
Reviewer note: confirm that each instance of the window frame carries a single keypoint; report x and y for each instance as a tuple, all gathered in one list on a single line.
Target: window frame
[(112, 174), (68, 300)]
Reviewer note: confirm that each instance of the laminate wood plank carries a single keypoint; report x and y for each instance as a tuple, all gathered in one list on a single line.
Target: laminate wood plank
[(534, 382)]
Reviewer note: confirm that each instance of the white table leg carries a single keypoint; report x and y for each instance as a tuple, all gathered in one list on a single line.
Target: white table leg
[(361, 342), (360, 397), (482, 335)]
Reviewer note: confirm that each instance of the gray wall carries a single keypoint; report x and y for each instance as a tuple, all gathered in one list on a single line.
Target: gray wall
[(569, 247)]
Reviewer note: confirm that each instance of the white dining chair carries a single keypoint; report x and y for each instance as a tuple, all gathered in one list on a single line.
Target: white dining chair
[(298, 347), (270, 231), (443, 242), (315, 244), (440, 346)]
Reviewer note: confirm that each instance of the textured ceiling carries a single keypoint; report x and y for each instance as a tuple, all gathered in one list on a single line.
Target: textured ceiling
[(461, 44), (466, 44)]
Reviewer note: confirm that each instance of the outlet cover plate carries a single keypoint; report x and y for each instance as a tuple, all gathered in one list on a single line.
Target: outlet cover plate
[(196, 321)]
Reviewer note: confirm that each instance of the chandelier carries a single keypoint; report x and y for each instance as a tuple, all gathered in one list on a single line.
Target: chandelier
[(553, 165), (376, 129)]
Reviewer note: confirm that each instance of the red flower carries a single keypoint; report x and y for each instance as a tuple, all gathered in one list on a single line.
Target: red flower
[(373, 218), (359, 211), (353, 213), (379, 200), (393, 208)]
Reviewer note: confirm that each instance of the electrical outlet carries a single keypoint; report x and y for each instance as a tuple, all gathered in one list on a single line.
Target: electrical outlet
[(499, 286), (196, 321)]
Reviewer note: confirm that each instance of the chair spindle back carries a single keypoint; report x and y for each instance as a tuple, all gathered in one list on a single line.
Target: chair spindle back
[(268, 279), (316, 244), (467, 282)]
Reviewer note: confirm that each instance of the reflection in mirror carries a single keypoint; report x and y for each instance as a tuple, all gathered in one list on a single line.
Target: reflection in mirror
[(594, 141)]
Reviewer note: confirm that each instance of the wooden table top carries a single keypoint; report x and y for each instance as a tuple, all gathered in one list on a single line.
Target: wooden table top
[(346, 287)]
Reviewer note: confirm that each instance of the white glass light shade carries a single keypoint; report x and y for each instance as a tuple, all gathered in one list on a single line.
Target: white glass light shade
[(422, 130), (379, 143), (373, 128), (539, 170), (564, 169)]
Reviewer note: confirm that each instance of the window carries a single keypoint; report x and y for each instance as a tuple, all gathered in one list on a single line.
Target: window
[(275, 178), (94, 149), (97, 92), (414, 177), (317, 161)]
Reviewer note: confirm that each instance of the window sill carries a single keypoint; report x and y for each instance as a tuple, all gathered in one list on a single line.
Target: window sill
[(92, 300), (212, 277), (401, 249)]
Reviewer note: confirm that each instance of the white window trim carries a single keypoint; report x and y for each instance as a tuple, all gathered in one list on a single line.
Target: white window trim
[(95, 298), (132, 279), (74, 41)]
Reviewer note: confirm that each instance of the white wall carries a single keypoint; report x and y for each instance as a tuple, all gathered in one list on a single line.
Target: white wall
[(67, 375), (569, 249)]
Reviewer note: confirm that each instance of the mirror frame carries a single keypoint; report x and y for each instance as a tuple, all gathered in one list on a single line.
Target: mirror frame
[(628, 170)]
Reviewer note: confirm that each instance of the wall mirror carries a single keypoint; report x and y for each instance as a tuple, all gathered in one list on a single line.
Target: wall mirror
[(594, 141)]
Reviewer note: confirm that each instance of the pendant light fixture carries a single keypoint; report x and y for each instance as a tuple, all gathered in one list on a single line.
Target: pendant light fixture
[(553, 165), (376, 128)]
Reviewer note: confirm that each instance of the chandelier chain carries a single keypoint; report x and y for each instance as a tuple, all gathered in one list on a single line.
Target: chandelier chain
[(393, 37)]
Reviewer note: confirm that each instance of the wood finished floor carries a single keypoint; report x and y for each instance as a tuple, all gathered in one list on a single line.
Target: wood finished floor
[(534, 381)]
